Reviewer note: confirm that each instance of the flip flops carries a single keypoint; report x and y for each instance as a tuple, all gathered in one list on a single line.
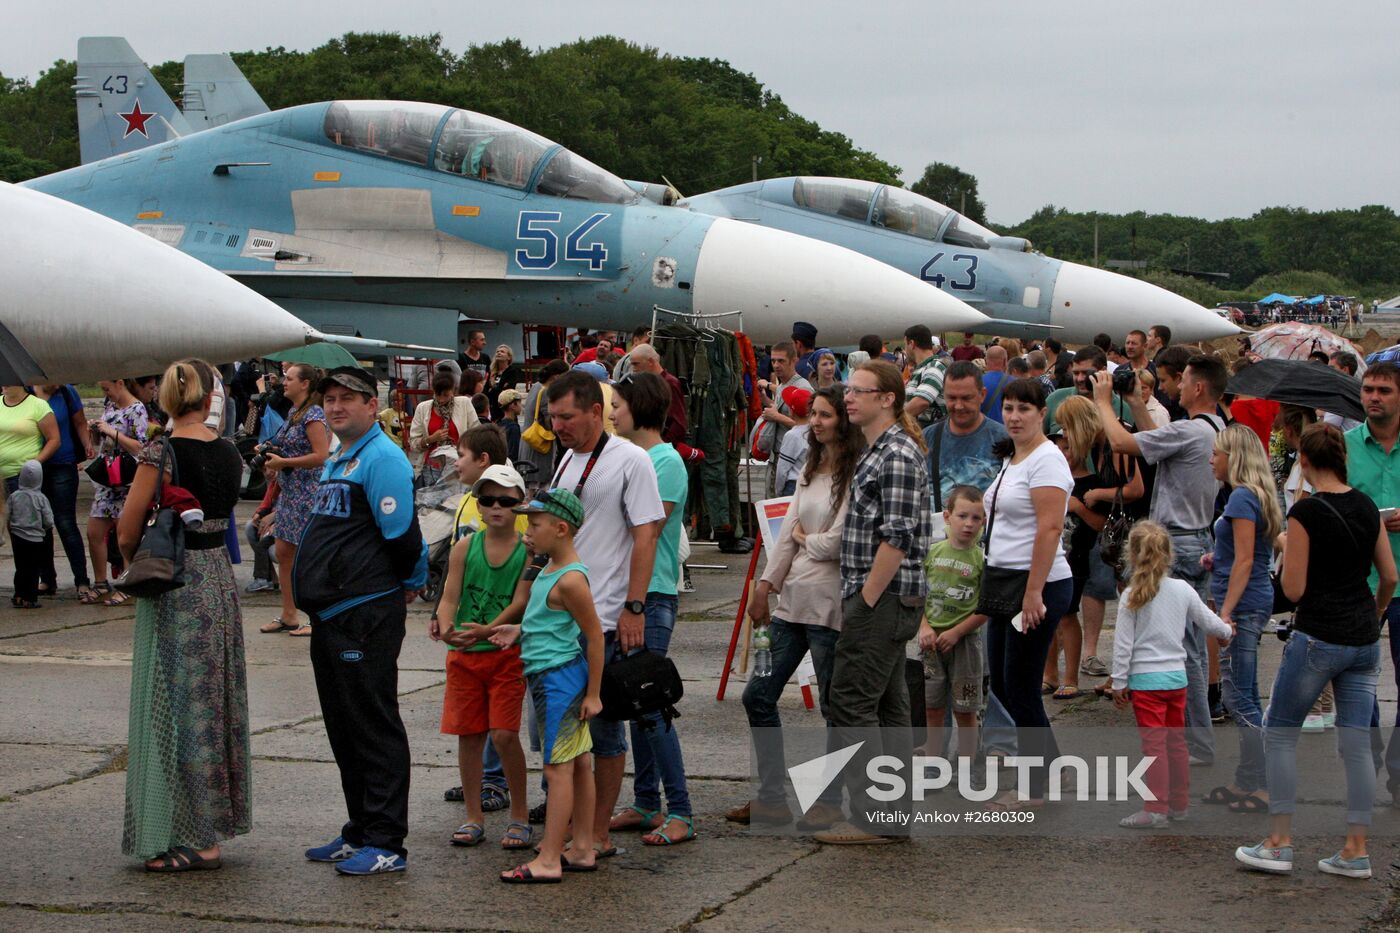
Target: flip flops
[(570, 866), (1220, 796), (521, 874), (1248, 803), (275, 627)]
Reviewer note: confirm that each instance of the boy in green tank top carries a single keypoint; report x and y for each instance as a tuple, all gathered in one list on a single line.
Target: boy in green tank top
[(564, 685), (485, 587)]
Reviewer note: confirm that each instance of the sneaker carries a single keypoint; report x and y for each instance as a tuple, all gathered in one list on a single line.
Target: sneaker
[(1094, 667), (337, 850), (687, 585), (1264, 857), (1178, 816), (372, 861), (260, 586), (1199, 762), (1346, 867), (537, 813), (1314, 723), (1144, 820), (494, 798), (1218, 714), (1329, 720)]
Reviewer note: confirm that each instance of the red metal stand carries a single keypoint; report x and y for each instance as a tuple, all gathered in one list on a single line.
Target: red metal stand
[(738, 623)]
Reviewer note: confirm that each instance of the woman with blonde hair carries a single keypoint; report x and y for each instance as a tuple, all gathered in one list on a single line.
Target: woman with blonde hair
[(505, 374), (1099, 477), (1244, 596), (189, 771), (1149, 668)]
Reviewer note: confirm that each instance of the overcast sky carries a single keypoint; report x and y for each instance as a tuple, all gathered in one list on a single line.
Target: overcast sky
[(1213, 109)]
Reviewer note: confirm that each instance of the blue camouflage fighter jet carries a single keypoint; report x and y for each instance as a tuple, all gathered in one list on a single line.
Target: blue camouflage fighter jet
[(1023, 292), (388, 219)]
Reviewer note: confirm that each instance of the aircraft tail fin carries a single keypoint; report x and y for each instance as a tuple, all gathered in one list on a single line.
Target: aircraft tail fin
[(216, 92), (121, 106)]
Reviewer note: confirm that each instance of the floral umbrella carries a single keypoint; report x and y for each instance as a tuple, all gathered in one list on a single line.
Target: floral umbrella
[(1295, 341)]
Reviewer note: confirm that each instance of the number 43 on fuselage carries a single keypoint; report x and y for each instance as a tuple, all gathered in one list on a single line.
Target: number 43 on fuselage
[(1023, 292)]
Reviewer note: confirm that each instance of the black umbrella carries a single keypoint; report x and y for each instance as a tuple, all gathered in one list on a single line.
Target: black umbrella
[(1300, 382)]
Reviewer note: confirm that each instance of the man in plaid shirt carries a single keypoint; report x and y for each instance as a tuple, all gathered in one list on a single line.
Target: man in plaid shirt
[(887, 533)]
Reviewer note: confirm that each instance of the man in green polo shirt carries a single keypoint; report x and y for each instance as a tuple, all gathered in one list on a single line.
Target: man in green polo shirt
[(1373, 466), (1087, 361)]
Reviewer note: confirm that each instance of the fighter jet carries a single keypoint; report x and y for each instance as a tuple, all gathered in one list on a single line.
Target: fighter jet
[(388, 218), (87, 298), (1023, 292)]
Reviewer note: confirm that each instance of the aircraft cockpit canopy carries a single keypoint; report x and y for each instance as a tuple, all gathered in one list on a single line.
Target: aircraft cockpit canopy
[(471, 145), (892, 208)]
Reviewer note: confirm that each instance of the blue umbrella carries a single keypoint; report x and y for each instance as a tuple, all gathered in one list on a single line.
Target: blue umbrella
[(1388, 355), (1277, 298)]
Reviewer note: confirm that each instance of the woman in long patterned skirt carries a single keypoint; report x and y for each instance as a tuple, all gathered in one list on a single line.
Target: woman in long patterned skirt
[(189, 771)]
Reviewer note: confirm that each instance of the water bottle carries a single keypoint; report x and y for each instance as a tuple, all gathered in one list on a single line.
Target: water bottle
[(762, 652)]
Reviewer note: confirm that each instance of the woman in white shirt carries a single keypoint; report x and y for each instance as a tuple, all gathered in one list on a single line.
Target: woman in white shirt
[(439, 422), (805, 570), (1025, 507)]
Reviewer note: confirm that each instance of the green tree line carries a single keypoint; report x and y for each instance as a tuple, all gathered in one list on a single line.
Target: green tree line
[(699, 122)]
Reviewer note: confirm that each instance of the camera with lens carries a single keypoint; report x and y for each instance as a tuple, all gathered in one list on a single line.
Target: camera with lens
[(259, 460), (1125, 380)]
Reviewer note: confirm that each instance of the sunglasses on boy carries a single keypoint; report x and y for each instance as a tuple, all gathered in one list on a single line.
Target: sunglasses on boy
[(505, 502)]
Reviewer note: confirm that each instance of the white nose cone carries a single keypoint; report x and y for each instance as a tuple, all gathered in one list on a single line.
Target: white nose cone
[(777, 278), (1089, 301), (88, 298)]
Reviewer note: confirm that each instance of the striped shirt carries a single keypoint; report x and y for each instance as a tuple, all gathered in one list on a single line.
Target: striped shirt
[(926, 382)]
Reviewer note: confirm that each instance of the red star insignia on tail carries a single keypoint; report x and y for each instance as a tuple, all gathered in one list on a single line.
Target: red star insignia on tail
[(136, 120)]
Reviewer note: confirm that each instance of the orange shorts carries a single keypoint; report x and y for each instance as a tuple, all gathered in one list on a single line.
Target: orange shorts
[(485, 691)]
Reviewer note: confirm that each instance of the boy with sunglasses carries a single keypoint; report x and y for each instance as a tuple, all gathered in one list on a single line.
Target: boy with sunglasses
[(486, 683)]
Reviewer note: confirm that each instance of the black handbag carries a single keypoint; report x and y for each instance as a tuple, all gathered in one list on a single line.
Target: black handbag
[(1113, 536), (1003, 589), (639, 684), (112, 472), (158, 566)]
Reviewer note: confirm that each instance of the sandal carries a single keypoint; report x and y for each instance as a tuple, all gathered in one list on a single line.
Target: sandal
[(468, 834), (1248, 803), (88, 596), (567, 865), (517, 836), (658, 837), (275, 626), (1220, 796), (119, 599), (1066, 692), (183, 858), (453, 794), (1047, 688), (521, 874), (301, 631), (1011, 803), (493, 798), (644, 823)]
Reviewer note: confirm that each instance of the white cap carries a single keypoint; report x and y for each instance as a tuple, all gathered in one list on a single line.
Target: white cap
[(501, 475)]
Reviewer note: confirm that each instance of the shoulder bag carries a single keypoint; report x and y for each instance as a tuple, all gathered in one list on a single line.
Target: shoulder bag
[(158, 566), (1113, 536), (1281, 602), (537, 435), (1003, 589)]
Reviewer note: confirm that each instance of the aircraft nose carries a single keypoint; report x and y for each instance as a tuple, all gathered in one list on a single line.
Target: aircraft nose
[(126, 306), (776, 277), (1088, 301)]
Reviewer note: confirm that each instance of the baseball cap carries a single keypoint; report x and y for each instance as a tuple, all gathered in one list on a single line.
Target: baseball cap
[(351, 377), (561, 503), (501, 475), (596, 370), (507, 396), (797, 400)]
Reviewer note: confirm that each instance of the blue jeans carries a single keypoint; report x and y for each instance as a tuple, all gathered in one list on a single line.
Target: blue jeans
[(1392, 750), (1308, 665), (790, 641), (61, 489), (656, 752), (493, 773), (1016, 661), (1200, 737), (1239, 666)]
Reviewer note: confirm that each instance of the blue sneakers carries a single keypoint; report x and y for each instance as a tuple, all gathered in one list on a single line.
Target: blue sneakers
[(1346, 867), (337, 850), (1266, 858), (372, 861)]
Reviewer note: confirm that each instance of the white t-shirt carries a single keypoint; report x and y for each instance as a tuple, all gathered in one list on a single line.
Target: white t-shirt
[(1294, 485), (1014, 529), (620, 494)]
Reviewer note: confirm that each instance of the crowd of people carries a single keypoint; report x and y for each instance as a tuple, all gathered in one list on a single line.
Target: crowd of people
[(983, 503)]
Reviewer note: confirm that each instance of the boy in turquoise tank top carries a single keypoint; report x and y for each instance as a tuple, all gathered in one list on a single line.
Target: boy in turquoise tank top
[(564, 686), (485, 587)]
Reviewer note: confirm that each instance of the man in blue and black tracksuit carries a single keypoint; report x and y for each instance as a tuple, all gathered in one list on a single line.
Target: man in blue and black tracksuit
[(359, 560)]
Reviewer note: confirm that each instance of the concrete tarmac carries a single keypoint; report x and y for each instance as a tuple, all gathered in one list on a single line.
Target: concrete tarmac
[(64, 681)]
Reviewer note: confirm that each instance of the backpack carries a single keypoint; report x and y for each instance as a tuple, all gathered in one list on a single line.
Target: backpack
[(639, 684), (763, 440)]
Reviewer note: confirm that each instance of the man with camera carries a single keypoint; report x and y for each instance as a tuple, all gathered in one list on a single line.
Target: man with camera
[(1088, 361), (1183, 501)]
